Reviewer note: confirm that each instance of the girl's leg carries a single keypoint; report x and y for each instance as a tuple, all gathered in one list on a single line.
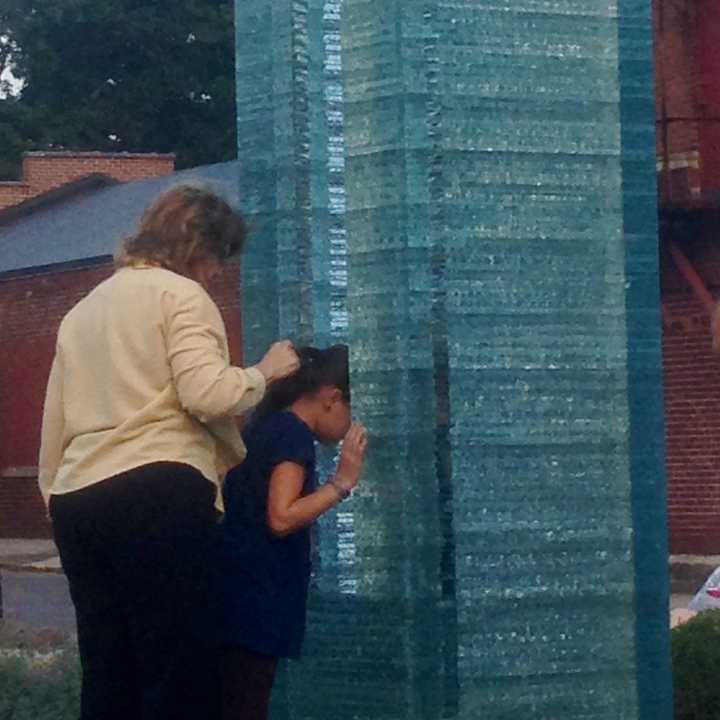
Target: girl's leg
[(247, 680)]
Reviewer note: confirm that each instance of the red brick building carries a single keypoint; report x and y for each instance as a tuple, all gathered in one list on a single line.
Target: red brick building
[(688, 147), (54, 248), (43, 171)]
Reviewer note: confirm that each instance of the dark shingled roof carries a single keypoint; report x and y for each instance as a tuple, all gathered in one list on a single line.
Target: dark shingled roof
[(89, 223)]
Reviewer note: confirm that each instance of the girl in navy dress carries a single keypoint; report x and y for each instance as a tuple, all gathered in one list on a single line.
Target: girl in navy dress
[(271, 500)]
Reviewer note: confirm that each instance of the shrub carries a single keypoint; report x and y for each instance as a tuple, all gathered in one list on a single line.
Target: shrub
[(696, 667), (39, 686)]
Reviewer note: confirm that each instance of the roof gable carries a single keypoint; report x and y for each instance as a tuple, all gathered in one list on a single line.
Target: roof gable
[(89, 222)]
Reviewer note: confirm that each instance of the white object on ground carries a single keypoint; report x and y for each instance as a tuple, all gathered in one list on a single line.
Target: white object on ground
[(708, 597)]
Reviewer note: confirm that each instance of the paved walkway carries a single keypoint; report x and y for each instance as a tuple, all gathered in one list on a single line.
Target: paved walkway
[(29, 555), (33, 590), (37, 601)]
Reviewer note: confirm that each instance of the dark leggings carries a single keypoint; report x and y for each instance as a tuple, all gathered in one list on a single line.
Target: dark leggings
[(135, 549), (247, 680)]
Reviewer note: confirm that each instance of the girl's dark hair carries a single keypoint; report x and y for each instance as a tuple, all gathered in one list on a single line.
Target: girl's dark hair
[(183, 222), (318, 368)]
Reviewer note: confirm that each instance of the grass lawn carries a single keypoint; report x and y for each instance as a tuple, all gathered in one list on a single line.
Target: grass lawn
[(39, 675)]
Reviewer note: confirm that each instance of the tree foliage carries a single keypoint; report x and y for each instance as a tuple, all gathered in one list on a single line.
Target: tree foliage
[(119, 75)]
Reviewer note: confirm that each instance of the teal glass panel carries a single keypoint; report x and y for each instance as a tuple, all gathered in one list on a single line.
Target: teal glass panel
[(537, 355), (273, 125)]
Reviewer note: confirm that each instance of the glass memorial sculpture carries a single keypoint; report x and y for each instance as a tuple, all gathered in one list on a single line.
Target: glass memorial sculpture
[(489, 252)]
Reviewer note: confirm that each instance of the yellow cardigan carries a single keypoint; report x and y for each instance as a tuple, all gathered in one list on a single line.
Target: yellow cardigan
[(142, 374)]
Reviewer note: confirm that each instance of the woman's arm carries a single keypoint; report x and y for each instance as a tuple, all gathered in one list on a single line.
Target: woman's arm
[(208, 386), (288, 512)]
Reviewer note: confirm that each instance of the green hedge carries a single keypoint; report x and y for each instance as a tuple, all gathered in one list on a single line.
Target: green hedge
[(696, 667), (32, 690)]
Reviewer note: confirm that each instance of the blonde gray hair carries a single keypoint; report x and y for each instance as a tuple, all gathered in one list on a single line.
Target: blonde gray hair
[(184, 223)]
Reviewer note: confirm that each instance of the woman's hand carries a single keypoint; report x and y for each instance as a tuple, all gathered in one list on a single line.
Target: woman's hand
[(352, 457), (280, 361)]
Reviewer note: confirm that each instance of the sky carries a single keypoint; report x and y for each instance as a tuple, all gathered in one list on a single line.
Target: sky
[(7, 75)]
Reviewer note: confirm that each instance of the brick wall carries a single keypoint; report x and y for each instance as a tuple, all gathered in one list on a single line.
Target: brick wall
[(31, 308), (687, 33), (675, 98), (708, 90), (692, 405), (687, 66), (43, 171)]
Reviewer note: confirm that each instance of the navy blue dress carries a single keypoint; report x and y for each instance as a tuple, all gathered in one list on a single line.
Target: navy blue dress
[(261, 580)]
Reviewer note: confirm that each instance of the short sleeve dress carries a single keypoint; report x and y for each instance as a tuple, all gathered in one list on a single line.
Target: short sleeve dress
[(261, 580)]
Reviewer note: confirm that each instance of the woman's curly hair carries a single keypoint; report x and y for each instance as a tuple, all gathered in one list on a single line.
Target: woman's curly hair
[(185, 222)]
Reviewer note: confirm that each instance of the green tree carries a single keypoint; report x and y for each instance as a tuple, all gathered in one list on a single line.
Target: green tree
[(119, 75)]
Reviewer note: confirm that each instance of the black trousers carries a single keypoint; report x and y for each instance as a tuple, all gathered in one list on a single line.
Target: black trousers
[(135, 549), (247, 680)]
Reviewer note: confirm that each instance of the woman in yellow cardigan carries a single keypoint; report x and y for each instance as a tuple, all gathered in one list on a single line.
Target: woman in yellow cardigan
[(137, 430)]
